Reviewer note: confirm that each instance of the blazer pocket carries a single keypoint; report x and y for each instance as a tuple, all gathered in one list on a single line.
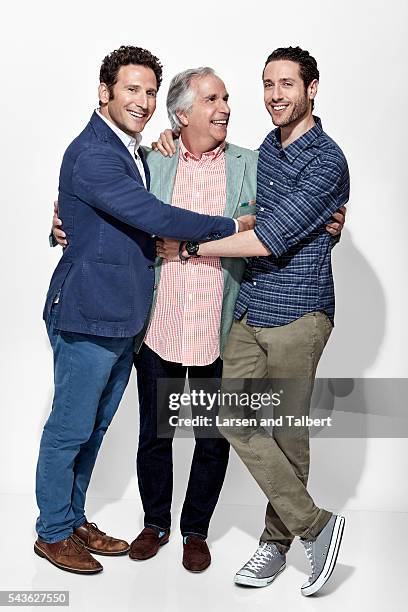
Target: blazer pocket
[(105, 291), (56, 284)]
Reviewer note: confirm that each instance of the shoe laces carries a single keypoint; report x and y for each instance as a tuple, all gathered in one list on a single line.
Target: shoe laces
[(309, 552), (263, 554), (75, 543), (94, 527)]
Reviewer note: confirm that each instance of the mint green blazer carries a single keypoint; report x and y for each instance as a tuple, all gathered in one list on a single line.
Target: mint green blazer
[(240, 166)]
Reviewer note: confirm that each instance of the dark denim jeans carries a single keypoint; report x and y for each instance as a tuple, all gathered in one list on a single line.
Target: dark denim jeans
[(90, 376), (155, 457)]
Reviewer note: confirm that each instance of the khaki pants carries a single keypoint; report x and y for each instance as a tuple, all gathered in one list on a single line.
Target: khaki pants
[(279, 462)]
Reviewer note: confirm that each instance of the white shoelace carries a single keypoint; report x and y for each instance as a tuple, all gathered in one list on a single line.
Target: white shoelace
[(264, 553), (309, 552)]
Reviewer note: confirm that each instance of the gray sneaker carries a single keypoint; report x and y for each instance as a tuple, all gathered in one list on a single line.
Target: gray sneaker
[(322, 554), (263, 567)]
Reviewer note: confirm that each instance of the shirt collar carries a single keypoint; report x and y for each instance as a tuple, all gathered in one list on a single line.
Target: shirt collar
[(300, 144), (213, 154), (129, 141)]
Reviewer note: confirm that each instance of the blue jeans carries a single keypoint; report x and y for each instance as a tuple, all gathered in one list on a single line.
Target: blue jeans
[(90, 376), (155, 456)]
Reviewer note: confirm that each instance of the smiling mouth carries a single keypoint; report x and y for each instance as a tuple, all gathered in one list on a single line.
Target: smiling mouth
[(220, 122), (136, 115), (277, 108)]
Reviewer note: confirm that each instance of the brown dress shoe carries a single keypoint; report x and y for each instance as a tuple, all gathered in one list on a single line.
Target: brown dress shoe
[(98, 542), (196, 556), (147, 544), (69, 554)]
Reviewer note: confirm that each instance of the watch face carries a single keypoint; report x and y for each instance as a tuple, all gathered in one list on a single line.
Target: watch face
[(192, 248)]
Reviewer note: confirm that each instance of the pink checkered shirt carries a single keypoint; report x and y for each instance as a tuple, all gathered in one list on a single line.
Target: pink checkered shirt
[(185, 326)]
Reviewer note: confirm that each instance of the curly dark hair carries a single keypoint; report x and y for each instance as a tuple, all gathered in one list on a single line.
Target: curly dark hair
[(124, 56), (307, 64)]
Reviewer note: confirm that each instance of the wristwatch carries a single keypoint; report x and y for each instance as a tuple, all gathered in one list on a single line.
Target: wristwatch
[(192, 248)]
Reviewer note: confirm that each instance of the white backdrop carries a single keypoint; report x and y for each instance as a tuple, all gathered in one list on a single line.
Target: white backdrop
[(50, 58)]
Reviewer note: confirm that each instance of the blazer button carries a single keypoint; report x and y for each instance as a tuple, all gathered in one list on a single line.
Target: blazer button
[(151, 266)]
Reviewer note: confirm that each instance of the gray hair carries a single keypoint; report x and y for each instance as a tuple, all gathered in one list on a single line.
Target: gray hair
[(180, 96)]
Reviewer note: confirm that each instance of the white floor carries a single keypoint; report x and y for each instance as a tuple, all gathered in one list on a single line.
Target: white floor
[(371, 573)]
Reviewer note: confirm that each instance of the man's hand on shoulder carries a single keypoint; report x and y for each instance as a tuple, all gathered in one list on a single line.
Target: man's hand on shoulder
[(165, 144)]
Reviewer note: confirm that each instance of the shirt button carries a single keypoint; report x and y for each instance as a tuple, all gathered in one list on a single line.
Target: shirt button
[(254, 283), (190, 296), (262, 208), (271, 182), (198, 193)]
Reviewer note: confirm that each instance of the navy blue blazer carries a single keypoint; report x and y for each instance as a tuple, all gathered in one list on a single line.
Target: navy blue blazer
[(105, 276)]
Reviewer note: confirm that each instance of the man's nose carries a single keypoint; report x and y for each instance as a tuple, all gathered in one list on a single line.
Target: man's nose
[(223, 107), (277, 93), (141, 99)]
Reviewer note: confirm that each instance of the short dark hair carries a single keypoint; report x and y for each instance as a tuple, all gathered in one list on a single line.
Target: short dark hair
[(124, 56), (307, 64)]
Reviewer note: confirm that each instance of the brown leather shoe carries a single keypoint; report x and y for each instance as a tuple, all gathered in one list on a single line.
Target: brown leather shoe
[(147, 544), (96, 541), (196, 556), (69, 555)]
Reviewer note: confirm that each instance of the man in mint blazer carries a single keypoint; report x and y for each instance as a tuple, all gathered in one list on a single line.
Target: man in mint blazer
[(188, 337)]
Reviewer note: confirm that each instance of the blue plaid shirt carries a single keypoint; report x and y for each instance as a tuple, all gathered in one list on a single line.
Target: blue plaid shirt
[(299, 188)]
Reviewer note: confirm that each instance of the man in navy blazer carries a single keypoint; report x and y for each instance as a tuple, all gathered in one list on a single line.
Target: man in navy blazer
[(99, 298)]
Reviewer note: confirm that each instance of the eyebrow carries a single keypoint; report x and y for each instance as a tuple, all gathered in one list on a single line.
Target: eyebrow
[(139, 86), (280, 80), (214, 95)]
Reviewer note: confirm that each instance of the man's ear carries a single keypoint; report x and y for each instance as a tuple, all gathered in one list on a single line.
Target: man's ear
[(312, 89), (103, 93), (182, 117)]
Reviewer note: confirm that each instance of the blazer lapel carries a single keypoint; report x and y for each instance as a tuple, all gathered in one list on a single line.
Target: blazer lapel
[(105, 133), (235, 169), (168, 171)]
